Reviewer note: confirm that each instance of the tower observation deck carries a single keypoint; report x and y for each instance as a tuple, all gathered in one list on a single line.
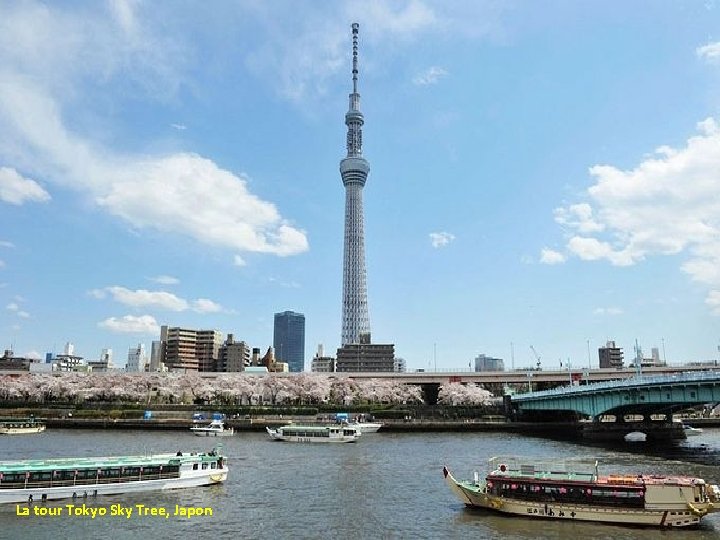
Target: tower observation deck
[(354, 170)]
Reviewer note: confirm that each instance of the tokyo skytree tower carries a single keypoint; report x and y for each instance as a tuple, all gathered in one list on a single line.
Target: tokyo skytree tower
[(354, 170)]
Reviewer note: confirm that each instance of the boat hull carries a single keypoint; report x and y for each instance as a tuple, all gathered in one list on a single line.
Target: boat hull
[(84, 491), (367, 427), (472, 495), (226, 433), (21, 430)]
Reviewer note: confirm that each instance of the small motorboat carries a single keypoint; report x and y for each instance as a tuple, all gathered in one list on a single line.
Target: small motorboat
[(635, 436), (691, 431)]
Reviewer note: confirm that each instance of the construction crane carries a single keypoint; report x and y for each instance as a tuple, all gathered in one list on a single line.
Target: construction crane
[(537, 357)]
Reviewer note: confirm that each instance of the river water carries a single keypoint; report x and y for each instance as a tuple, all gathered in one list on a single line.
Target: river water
[(387, 486)]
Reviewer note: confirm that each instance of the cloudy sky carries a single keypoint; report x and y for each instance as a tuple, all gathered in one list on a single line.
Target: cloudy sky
[(542, 174)]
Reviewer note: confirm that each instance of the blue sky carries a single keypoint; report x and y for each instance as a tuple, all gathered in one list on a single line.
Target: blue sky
[(542, 174)]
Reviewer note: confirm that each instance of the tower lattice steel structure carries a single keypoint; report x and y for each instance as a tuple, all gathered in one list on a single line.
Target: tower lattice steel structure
[(354, 170)]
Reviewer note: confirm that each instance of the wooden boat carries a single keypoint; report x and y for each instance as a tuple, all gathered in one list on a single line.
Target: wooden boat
[(314, 434), (216, 428), (37, 480), (578, 493), (21, 426)]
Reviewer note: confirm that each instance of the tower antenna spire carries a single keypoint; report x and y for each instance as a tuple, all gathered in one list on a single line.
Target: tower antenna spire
[(355, 30)]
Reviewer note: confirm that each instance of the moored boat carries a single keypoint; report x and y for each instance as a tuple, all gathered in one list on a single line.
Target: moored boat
[(216, 428), (365, 427), (37, 480), (360, 422), (635, 436), (314, 434), (577, 492), (692, 431), (21, 426)]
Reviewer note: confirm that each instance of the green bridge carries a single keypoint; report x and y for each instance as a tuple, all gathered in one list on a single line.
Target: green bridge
[(639, 395)]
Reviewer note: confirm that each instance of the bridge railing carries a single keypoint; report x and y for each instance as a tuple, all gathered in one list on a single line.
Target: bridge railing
[(624, 383)]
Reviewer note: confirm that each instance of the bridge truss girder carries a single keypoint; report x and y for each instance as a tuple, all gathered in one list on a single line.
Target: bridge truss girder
[(660, 399)]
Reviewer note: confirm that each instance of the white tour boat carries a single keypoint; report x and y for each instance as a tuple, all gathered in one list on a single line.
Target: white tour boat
[(314, 434), (216, 428), (21, 426), (38, 480), (365, 427), (576, 492), (692, 431), (360, 423)]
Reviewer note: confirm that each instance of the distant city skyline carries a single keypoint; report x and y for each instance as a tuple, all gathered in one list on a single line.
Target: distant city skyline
[(543, 174)]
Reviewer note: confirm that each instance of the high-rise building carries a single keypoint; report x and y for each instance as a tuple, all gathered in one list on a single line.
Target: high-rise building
[(289, 339), (367, 357), (185, 349), (321, 363), (488, 363), (610, 356), (234, 355), (354, 170), (137, 359)]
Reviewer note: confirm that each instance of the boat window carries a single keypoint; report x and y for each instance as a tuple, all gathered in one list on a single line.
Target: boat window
[(195, 466), (204, 466), (39, 476), (86, 473), (213, 465)]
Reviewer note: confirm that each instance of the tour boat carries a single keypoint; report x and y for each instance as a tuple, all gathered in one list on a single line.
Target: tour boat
[(314, 434), (216, 428), (692, 431), (20, 426), (576, 492), (38, 480)]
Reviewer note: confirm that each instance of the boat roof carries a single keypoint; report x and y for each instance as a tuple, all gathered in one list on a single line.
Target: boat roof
[(576, 470), (91, 462), (316, 427)]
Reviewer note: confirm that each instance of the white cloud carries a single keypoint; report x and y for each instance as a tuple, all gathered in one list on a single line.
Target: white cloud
[(668, 204), (710, 52), (441, 239), (165, 280), (203, 305), (239, 261), (33, 354), (608, 311), (179, 127), (713, 300), (550, 256), (129, 324), (15, 189), (149, 191), (430, 76), (145, 298), (142, 298), (15, 308), (578, 216), (5, 243), (2, 263)]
